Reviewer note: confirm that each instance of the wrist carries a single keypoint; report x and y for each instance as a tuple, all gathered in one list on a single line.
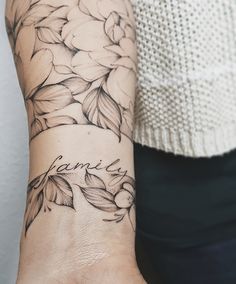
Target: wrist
[(62, 242), (107, 268)]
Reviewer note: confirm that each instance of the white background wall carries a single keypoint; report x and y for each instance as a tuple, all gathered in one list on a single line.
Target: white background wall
[(13, 160)]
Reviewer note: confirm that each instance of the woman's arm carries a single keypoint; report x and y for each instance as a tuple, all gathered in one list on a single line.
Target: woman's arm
[(76, 63)]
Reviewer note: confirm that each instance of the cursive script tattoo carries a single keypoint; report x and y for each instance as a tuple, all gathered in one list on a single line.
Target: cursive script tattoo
[(106, 187), (76, 62)]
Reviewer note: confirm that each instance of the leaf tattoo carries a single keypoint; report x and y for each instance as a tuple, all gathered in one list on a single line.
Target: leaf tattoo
[(43, 191), (94, 181), (59, 191), (77, 52), (100, 199), (51, 98), (101, 110), (57, 187), (36, 127), (34, 202), (97, 195)]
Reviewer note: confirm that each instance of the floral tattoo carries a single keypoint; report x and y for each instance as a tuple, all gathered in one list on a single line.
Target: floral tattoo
[(76, 63), (107, 188)]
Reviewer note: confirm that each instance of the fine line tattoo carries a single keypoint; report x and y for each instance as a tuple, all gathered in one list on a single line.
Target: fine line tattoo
[(106, 187), (76, 62)]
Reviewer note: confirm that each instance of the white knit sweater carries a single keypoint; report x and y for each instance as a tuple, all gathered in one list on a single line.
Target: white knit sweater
[(186, 102)]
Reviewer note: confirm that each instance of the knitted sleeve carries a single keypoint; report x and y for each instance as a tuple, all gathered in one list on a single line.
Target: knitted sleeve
[(186, 100)]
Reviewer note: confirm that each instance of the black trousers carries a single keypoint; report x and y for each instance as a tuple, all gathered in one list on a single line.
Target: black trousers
[(186, 217)]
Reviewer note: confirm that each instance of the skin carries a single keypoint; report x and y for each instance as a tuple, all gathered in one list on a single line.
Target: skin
[(76, 64)]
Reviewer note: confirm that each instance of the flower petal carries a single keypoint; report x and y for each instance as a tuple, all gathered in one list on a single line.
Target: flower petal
[(132, 217), (19, 8), (104, 57), (90, 8), (106, 7), (118, 34), (112, 20), (48, 36), (129, 48), (113, 28), (127, 63), (129, 10), (54, 23), (75, 18), (20, 72), (15, 10), (59, 120), (116, 49), (121, 85), (51, 98), (30, 111), (127, 122), (90, 36), (36, 128), (76, 85), (130, 33), (57, 51), (37, 71), (87, 68), (59, 3), (38, 13), (63, 69), (25, 43), (32, 71)]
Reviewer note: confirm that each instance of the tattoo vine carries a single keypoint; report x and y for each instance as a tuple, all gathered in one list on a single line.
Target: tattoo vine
[(76, 62), (105, 187)]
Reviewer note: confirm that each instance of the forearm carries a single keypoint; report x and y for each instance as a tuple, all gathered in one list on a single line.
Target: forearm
[(76, 65), (85, 201)]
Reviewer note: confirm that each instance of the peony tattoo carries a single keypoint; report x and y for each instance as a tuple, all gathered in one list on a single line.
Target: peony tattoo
[(105, 187), (76, 62)]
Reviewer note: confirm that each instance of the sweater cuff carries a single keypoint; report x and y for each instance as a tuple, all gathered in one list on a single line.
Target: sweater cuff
[(192, 144)]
